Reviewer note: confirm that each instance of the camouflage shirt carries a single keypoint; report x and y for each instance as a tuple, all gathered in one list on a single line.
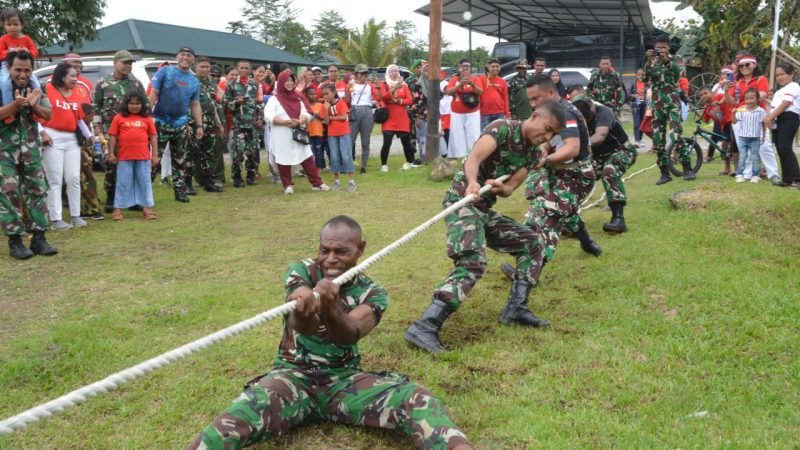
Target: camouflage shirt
[(23, 129), (208, 104), (108, 95), (512, 153), (246, 114), (519, 104), (304, 352), (663, 75), (607, 89), (419, 103)]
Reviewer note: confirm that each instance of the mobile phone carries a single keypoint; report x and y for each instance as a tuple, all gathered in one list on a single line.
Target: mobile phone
[(730, 77)]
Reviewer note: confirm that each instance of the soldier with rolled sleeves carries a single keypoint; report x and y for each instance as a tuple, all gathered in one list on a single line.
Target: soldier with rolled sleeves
[(203, 150), (518, 101), (242, 99), (21, 170), (606, 87), (317, 374), (506, 147), (108, 95)]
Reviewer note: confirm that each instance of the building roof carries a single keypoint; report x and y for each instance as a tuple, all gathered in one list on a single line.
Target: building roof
[(521, 20), (162, 38)]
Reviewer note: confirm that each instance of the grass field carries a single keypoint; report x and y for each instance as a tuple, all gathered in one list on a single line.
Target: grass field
[(683, 334)]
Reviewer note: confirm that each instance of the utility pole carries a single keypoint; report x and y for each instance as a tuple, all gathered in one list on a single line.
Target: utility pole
[(434, 67)]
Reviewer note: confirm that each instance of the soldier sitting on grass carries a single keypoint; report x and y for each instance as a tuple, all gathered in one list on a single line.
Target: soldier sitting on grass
[(317, 375)]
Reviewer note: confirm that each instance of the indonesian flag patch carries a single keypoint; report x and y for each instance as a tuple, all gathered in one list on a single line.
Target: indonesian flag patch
[(572, 124)]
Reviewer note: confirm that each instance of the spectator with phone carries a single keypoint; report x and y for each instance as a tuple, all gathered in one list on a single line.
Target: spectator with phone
[(465, 118)]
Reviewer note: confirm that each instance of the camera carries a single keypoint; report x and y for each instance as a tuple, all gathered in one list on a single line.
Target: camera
[(656, 52)]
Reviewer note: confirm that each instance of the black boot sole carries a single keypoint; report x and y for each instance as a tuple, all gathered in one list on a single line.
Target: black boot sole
[(410, 338)]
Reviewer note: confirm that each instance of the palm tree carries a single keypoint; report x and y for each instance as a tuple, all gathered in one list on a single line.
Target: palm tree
[(369, 46)]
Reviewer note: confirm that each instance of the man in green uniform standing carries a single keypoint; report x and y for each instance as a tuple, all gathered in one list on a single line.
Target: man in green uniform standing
[(21, 170), (203, 151), (317, 374), (108, 94), (663, 74), (519, 104), (241, 97), (506, 147), (606, 87)]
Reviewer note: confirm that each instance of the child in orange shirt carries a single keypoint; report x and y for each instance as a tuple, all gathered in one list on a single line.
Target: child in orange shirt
[(315, 127), (14, 41)]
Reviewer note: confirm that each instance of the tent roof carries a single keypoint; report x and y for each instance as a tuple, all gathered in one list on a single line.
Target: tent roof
[(162, 38), (529, 19)]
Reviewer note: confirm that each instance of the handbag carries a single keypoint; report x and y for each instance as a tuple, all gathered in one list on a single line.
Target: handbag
[(351, 114), (381, 114), (299, 134), (470, 100)]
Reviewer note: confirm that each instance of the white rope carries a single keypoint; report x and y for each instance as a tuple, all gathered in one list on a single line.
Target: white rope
[(112, 382), (602, 197)]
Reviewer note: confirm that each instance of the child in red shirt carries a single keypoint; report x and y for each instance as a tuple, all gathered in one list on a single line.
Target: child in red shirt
[(135, 132), (339, 142), (14, 41)]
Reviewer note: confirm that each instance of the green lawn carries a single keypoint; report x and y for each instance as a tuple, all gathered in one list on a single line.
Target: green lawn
[(691, 311)]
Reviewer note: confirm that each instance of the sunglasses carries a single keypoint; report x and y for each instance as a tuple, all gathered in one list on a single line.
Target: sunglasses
[(745, 65)]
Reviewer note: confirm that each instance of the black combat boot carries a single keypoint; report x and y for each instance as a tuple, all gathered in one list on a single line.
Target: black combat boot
[(424, 333), (516, 310), (587, 243), (188, 188), (617, 222), (251, 177), (180, 196), (688, 173), (16, 249), (109, 208), (39, 245), (665, 178), (237, 179), (508, 271)]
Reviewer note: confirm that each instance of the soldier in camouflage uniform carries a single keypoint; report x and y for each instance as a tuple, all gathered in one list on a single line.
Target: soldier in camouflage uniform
[(606, 86), (108, 94), (241, 97), (21, 170), (418, 111), (663, 74), (204, 150), (519, 105), (506, 147), (317, 374)]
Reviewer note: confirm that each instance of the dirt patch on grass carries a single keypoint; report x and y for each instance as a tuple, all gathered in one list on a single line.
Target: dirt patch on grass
[(699, 197)]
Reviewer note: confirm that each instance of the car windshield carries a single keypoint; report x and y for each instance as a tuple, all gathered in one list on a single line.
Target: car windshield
[(569, 78)]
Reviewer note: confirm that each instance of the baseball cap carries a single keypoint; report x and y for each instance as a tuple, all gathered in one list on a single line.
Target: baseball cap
[(187, 50), (72, 57), (418, 62), (215, 70), (123, 55)]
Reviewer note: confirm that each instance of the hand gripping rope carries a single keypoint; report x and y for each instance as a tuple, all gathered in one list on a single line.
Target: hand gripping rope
[(585, 206), (112, 382)]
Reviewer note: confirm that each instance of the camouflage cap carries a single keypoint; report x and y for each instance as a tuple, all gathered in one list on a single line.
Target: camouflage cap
[(361, 68), (123, 55), (522, 63)]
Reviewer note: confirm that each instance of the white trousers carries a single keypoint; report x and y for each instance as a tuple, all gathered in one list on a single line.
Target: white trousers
[(767, 154), (62, 166), (166, 163), (465, 129)]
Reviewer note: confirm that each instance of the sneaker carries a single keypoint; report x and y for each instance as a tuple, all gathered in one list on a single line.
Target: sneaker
[(776, 181), (406, 166), (321, 187), (60, 225), (165, 182), (384, 169), (755, 180), (97, 216), (78, 222), (337, 185), (351, 186), (739, 179), (416, 163), (289, 190)]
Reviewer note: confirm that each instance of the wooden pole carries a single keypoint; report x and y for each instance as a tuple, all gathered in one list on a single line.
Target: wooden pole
[(775, 28), (434, 67)]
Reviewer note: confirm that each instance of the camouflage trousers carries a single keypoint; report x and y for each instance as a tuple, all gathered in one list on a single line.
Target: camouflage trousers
[(21, 172), (110, 182), (611, 167), (245, 145), (286, 398), (178, 139), (469, 231), (89, 201), (563, 191), (204, 156), (667, 112)]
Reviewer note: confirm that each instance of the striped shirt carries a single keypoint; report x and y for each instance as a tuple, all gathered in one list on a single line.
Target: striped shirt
[(749, 123)]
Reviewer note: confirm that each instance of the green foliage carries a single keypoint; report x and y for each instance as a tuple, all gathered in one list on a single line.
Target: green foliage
[(480, 56), (329, 27), (371, 45), (63, 22), (275, 23), (239, 27)]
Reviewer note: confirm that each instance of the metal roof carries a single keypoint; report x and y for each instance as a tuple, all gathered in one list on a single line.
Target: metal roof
[(520, 20), (162, 38)]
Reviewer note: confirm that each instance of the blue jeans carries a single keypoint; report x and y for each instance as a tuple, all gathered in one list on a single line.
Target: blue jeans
[(133, 184), (748, 149), (637, 111), (341, 154), (318, 150), (422, 131), (489, 118), (7, 86)]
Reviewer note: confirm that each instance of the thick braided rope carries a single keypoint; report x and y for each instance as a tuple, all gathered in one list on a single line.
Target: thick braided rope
[(602, 197), (112, 382)]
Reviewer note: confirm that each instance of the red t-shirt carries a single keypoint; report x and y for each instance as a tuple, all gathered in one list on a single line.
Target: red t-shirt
[(458, 106), (341, 87), (83, 90), (338, 127), (722, 114), (760, 83), (66, 111), (397, 112), (133, 136), (683, 83), (494, 99), (7, 42)]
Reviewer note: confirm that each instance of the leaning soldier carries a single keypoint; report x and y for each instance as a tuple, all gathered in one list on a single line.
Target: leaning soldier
[(519, 105), (317, 374), (606, 86), (506, 147), (108, 95), (663, 75), (21, 170), (203, 150), (241, 98)]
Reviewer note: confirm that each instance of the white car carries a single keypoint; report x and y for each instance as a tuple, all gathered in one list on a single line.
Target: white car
[(570, 76), (96, 68)]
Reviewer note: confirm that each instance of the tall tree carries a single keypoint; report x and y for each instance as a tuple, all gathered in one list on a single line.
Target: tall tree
[(329, 27), (297, 39), (370, 45), (272, 21), (66, 22), (238, 27)]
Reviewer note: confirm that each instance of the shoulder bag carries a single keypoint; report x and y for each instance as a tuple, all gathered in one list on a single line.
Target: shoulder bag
[(381, 114)]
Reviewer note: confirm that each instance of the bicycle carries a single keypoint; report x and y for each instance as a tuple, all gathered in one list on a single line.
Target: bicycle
[(695, 151)]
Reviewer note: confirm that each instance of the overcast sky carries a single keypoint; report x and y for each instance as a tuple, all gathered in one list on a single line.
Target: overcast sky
[(217, 15)]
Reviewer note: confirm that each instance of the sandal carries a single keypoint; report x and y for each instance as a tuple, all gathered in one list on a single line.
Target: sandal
[(148, 214), (117, 214)]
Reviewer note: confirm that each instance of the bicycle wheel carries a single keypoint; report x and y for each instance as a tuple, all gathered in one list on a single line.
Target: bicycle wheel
[(695, 156)]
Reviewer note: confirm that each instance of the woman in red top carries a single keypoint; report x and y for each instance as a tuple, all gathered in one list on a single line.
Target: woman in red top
[(465, 120), (397, 97), (62, 154)]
